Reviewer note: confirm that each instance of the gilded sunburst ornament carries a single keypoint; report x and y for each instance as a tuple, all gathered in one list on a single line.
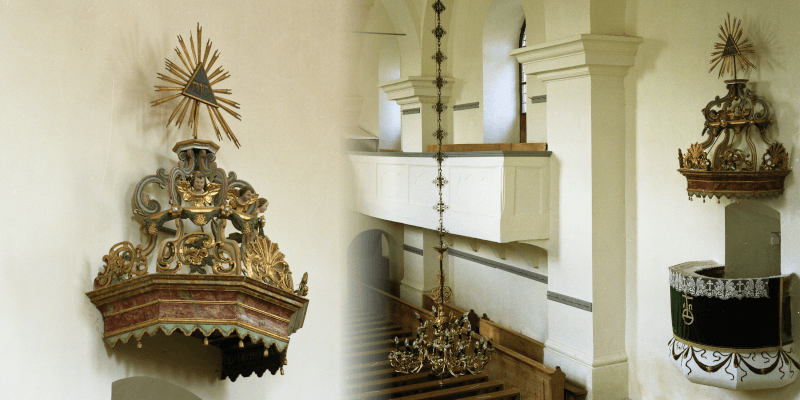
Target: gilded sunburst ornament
[(731, 49), (196, 87)]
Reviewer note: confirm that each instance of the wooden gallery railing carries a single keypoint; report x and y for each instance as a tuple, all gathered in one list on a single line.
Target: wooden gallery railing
[(517, 359)]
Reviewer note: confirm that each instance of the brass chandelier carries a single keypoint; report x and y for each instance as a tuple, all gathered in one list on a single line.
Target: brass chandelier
[(443, 343)]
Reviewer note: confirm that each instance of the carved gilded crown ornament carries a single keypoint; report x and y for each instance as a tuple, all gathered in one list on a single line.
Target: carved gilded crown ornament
[(231, 290), (728, 163)]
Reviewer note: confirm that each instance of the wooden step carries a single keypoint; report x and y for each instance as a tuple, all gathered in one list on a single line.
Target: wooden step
[(377, 334), (368, 366), (369, 325), (378, 328), (373, 330), (371, 345), (507, 394), (457, 392), (424, 387), (366, 318), (376, 355), (379, 384), (372, 375)]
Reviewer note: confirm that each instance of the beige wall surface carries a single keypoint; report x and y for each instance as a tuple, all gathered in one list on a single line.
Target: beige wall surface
[(78, 132), (665, 91)]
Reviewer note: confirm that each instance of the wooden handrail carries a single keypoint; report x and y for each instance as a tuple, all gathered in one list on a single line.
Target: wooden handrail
[(466, 147)]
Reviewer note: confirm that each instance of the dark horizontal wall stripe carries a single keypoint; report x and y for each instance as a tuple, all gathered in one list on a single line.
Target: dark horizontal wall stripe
[(412, 249), (494, 264), (411, 111), (497, 153), (539, 99), (466, 106), (570, 301)]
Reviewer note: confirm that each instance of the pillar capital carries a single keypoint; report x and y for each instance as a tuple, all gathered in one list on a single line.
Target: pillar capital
[(415, 89), (415, 94), (579, 55)]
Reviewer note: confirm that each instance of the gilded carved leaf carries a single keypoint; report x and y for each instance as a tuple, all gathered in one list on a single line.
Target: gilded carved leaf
[(123, 262), (696, 158), (776, 157)]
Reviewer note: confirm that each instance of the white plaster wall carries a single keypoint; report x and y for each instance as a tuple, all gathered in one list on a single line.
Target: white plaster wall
[(515, 302), (465, 57), (377, 20), (500, 72), (665, 91), (413, 281), (78, 133), (389, 111), (536, 119)]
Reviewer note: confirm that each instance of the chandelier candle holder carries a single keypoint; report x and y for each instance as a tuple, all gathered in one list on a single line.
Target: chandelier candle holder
[(443, 344), (722, 165), (233, 291)]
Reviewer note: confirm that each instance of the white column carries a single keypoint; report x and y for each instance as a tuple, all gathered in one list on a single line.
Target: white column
[(416, 96), (586, 260), (413, 283)]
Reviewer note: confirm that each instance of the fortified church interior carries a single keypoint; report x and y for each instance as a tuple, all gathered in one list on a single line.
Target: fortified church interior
[(569, 247), (570, 224)]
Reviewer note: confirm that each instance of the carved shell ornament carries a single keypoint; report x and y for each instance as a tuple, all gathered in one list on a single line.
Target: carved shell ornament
[(263, 261)]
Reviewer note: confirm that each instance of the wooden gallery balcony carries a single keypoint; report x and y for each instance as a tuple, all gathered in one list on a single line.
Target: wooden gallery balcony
[(499, 196)]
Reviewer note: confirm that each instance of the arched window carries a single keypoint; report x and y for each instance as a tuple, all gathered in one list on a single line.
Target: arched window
[(523, 91)]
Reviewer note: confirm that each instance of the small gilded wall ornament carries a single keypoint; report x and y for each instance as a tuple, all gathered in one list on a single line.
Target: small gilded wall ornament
[(729, 162), (205, 267)]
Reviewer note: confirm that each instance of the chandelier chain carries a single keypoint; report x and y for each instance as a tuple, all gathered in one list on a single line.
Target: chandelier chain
[(443, 343)]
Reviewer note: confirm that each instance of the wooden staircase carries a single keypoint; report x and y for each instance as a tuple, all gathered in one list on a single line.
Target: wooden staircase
[(371, 377)]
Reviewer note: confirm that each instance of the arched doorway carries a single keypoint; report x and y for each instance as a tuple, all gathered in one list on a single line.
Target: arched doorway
[(146, 387)]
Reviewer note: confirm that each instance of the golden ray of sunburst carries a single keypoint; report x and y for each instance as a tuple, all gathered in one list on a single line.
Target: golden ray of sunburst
[(731, 49), (196, 87)]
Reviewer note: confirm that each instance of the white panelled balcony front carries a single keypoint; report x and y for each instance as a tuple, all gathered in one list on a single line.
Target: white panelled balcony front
[(499, 196)]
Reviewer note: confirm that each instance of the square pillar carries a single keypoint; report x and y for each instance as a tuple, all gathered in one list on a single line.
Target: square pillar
[(416, 96), (413, 284), (586, 260)]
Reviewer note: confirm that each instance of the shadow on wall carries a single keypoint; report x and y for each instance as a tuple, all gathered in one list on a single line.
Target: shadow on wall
[(145, 58), (145, 387), (179, 357)]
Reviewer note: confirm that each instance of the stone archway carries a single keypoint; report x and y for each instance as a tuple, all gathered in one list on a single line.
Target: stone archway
[(368, 259)]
